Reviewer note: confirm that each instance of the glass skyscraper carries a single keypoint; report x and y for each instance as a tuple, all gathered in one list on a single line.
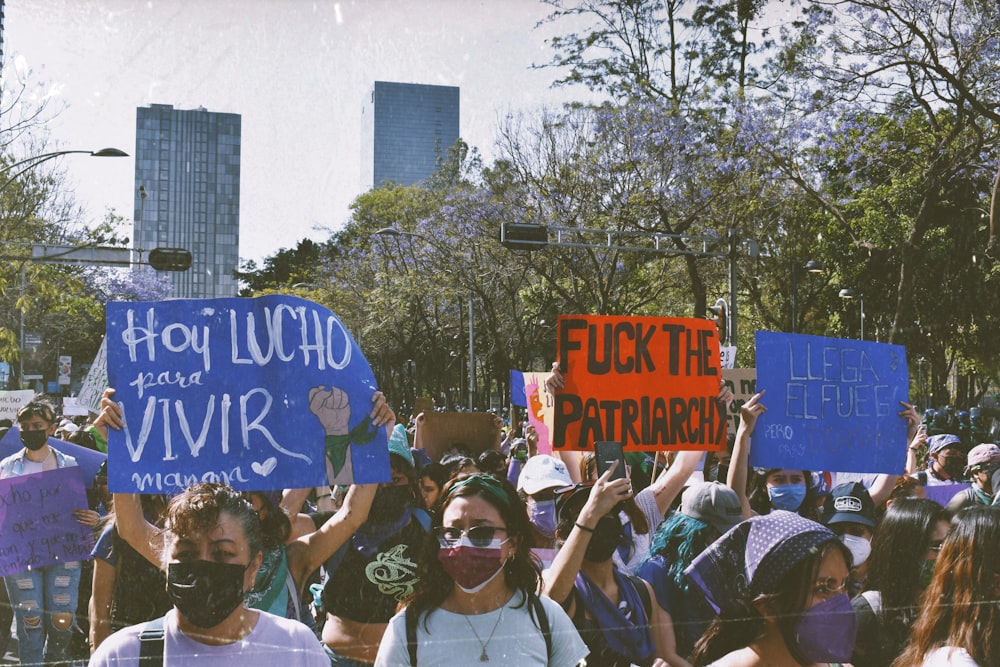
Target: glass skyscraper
[(406, 127), (187, 182)]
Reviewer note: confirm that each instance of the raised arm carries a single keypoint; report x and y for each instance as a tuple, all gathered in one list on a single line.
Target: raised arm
[(557, 581), (740, 464)]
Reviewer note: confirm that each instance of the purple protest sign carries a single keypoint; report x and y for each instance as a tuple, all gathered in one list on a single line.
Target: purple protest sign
[(943, 493), (37, 527)]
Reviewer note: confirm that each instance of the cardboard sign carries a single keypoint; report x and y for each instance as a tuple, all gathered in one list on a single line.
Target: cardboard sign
[(96, 381), (650, 383), (437, 432), (832, 404), (37, 527), (265, 393), (72, 408), (12, 401), (88, 460), (541, 407), (743, 383)]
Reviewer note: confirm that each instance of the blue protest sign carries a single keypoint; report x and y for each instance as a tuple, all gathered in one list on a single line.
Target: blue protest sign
[(89, 460), (37, 527), (264, 393), (517, 396), (832, 404)]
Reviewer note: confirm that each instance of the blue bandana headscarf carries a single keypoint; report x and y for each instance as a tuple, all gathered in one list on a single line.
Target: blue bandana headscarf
[(753, 558)]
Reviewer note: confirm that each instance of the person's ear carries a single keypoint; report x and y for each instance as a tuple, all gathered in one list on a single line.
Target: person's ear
[(764, 608), (251, 571)]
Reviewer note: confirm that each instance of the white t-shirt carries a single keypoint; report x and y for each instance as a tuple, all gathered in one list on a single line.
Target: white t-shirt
[(273, 641), (949, 656), (449, 640)]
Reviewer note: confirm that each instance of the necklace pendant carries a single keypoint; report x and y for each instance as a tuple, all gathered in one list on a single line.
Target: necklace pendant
[(484, 657)]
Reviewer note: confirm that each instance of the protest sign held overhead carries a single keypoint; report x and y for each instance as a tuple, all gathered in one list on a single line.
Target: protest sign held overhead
[(541, 409), (650, 383), (37, 527), (96, 381), (437, 432), (743, 383), (264, 393), (832, 404)]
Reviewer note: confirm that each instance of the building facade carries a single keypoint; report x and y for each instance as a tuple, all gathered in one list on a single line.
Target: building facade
[(406, 128), (187, 193)]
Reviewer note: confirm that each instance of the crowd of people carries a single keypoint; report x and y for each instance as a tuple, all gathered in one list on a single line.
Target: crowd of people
[(517, 557)]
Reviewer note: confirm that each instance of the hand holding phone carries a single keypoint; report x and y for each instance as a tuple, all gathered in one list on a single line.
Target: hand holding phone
[(606, 453)]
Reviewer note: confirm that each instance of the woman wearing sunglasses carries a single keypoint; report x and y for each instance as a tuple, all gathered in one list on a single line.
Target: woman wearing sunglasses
[(476, 598)]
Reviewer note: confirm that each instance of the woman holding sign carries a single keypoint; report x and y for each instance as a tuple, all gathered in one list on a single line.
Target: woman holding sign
[(44, 599), (213, 546)]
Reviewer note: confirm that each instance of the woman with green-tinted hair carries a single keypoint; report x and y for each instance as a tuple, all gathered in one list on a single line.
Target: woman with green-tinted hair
[(477, 599)]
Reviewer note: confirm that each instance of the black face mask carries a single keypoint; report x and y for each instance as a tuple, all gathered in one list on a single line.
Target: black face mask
[(954, 467), (389, 503), (34, 440), (606, 538), (204, 592)]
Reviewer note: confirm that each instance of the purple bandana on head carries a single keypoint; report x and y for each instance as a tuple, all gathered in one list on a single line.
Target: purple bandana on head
[(753, 557)]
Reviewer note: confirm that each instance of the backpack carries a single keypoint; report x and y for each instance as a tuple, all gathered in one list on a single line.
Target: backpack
[(535, 608)]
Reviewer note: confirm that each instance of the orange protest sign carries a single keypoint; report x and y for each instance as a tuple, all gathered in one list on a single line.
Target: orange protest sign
[(648, 382)]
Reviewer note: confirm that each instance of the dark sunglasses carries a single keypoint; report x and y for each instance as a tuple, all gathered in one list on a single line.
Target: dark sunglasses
[(479, 536)]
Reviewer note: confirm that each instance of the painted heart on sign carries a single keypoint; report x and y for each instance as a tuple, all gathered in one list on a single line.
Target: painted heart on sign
[(266, 468)]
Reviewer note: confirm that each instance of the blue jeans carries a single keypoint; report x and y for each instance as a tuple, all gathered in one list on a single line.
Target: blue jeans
[(338, 660), (37, 595)]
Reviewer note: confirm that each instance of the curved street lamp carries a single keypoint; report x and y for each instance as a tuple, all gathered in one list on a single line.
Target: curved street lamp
[(848, 293), (30, 163), (35, 160)]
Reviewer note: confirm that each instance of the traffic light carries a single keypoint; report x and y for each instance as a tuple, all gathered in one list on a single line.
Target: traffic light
[(170, 259), (721, 312), (520, 236)]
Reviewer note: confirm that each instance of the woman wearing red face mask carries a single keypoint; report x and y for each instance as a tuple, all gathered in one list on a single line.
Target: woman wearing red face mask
[(476, 598)]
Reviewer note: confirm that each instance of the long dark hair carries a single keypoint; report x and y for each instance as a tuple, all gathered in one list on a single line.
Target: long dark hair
[(760, 501), (898, 553), (731, 632), (522, 572), (960, 607)]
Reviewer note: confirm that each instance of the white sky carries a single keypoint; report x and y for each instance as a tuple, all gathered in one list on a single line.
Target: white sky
[(296, 71)]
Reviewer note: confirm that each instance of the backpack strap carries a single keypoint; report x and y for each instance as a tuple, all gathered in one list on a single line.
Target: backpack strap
[(422, 517), (543, 623), (640, 587), (410, 620), (151, 641)]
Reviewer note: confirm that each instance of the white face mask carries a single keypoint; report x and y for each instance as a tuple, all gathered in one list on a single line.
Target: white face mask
[(859, 547)]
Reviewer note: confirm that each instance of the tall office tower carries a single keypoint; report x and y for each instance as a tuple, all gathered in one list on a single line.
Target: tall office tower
[(406, 127), (187, 182)]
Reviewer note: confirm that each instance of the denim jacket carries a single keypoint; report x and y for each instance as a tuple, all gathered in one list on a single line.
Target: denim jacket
[(13, 465)]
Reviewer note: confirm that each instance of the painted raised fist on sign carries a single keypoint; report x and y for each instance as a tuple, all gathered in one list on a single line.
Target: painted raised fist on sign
[(332, 408)]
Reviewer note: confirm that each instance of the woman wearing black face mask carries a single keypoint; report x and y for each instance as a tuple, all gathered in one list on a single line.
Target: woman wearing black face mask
[(616, 614), (213, 551), (44, 599)]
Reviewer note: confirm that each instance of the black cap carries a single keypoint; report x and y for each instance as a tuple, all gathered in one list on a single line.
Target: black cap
[(849, 503)]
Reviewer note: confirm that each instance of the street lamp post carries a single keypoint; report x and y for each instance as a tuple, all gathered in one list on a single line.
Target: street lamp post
[(29, 164), (390, 231), (812, 266), (848, 293), (35, 160)]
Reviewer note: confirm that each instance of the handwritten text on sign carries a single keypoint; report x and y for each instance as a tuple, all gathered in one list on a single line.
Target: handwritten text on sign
[(832, 404), (648, 382), (263, 393), (37, 527)]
